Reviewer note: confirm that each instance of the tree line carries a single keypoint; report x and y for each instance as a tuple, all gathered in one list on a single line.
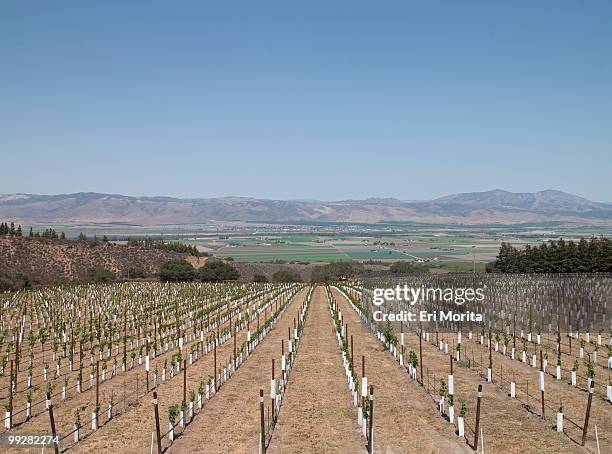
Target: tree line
[(170, 246), (585, 256), (7, 229), (10, 230)]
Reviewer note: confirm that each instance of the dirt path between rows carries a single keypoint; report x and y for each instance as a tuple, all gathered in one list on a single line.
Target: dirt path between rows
[(230, 422), (317, 415), (405, 418)]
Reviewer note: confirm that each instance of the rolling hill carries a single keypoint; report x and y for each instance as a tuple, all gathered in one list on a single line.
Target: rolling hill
[(490, 207)]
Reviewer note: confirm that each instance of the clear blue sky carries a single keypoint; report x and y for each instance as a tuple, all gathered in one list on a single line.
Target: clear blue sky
[(313, 99)]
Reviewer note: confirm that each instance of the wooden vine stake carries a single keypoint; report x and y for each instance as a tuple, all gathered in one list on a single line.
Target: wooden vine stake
[(421, 354), (52, 420), (588, 413), (159, 446), (476, 431), (184, 382)]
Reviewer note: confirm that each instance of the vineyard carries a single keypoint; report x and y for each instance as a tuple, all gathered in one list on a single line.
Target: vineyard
[(260, 367)]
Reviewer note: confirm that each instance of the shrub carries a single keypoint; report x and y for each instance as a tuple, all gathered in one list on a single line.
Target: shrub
[(134, 272), (100, 275), (403, 267), (16, 281), (260, 278), (176, 270), (336, 271), (217, 271)]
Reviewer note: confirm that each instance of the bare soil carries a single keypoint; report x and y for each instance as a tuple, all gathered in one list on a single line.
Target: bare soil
[(507, 425), (557, 392), (127, 390), (230, 422), (405, 418), (131, 431), (317, 414)]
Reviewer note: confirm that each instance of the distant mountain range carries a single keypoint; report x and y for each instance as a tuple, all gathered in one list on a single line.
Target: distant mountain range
[(490, 207)]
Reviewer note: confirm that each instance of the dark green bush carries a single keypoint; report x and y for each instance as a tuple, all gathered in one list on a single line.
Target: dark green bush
[(100, 275), (176, 271), (134, 272), (15, 281), (217, 271)]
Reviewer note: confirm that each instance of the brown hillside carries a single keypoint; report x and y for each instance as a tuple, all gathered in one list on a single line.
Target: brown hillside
[(57, 261), (490, 207)]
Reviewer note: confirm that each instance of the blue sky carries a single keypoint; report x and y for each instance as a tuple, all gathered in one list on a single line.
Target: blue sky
[(318, 99)]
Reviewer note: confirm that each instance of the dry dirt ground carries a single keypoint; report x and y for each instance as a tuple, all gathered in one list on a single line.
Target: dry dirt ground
[(405, 418), (131, 430), (230, 422), (507, 426), (574, 400), (317, 415), (128, 391)]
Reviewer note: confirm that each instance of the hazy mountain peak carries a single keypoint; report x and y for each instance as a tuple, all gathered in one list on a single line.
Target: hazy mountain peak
[(495, 206)]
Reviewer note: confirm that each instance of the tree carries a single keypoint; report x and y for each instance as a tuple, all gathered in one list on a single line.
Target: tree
[(176, 271), (556, 257), (173, 246), (134, 272), (31, 234), (217, 271), (403, 267), (260, 278), (336, 271)]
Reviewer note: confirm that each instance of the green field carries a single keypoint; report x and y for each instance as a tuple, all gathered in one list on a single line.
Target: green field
[(378, 254), (454, 246), (288, 252)]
